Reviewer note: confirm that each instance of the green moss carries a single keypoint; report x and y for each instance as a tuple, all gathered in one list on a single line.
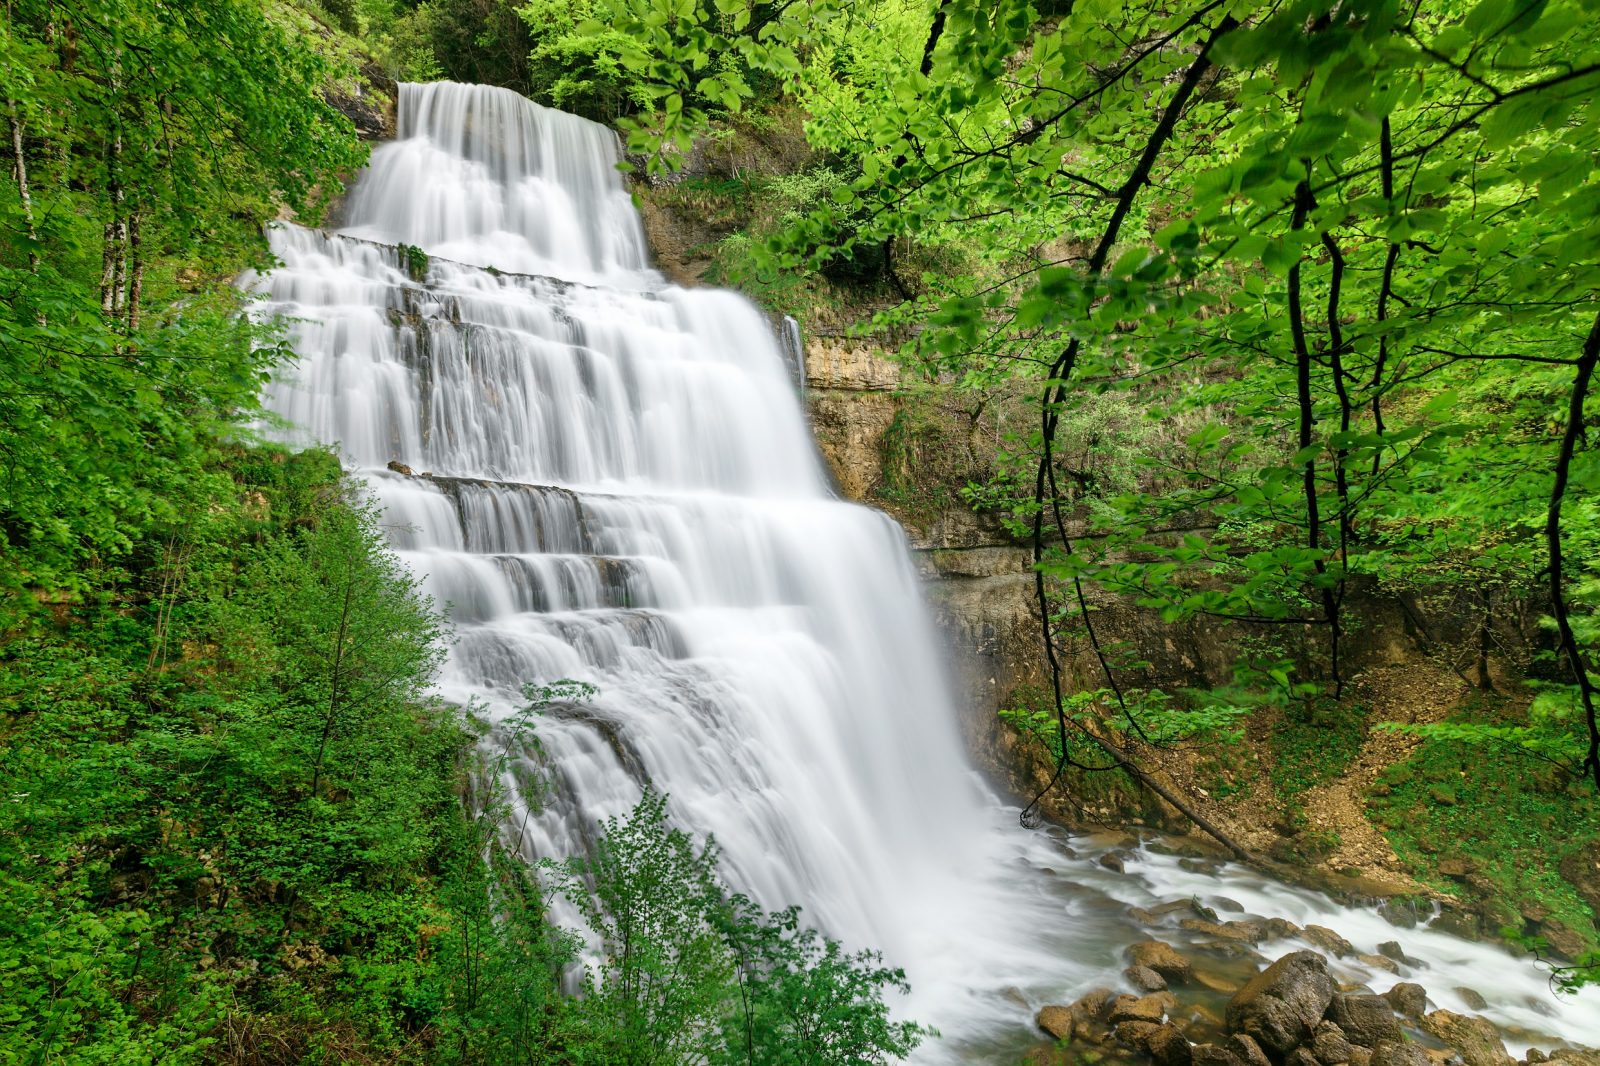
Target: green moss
[(1504, 818)]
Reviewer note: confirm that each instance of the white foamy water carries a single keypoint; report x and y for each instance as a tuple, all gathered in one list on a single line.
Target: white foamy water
[(615, 484)]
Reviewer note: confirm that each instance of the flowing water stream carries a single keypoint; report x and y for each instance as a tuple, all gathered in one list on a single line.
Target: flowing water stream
[(611, 480)]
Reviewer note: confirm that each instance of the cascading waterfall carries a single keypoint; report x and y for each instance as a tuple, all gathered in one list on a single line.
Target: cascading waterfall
[(610, 480)]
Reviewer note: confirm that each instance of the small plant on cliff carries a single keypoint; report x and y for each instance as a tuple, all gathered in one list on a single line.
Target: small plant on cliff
[(414, 260)]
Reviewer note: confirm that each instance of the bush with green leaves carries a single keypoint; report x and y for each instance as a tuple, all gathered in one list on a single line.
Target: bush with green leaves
[(692, 972)]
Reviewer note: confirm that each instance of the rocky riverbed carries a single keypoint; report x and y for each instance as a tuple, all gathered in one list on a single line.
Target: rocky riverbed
[(1229, 999)]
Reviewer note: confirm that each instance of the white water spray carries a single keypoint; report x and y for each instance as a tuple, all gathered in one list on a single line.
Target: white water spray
[(612, 482)]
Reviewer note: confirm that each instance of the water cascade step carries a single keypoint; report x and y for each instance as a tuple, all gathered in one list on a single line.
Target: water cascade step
[(609, 479)]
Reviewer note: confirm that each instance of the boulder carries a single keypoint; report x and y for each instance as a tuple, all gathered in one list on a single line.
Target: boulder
[(1169, 1047), (1472, 998), (1365, 1020), (1475, 1039), (1301, 1056), (1564, 942), (1408, 999), (1380, 962), (1213, 1055), (1145, 979), (1164, 959), (1391, 949), (1329, 1045), (1360, 1056), (1581, 870), (1328, 940), (400, 468), (1248, 1050), (1135, 1034), (1057, 1021), (1575, 1056), (1283, 1003), (1093, 1004), (1398, 1053), (1278, 928), (1243, 930), (1113, 861), (1139, 1009), (1535, 1056)]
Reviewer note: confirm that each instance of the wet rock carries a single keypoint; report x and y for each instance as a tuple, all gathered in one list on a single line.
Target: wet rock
[(1581, 870), (1328, 940), (1248, 1050), (1057, 1021), (1572, 1056), (1089, 1013), (1442, 1056), (1329, 1045), (1169, 1047), (400, 468), (1458, 921), (1163, 958), (1360, 1056), (1278, 928), (1209, 867), (1380, 962), (1472, 998), (1140, 1008), (1390, 949), (1213, 1055), (1243, 931), (1404, 913), (1564, 942), (1535, 1056), (1135, 1034), (1365, 1020), (1216, 982), (1281, 1005), (1398, 1053), (1226, 904), (1145, 979), (1301, 1057), (1408, 999), (1115, 861), (1474, 1039)]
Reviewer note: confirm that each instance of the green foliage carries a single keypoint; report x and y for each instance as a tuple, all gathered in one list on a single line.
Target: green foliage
[(692, 972), (1315, 742), (415, 260), (576, 63), (1511, 822), (155, 139), (222, 798)]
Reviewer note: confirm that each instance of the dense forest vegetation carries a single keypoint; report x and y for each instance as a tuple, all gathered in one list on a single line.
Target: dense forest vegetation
[(1325, 277)]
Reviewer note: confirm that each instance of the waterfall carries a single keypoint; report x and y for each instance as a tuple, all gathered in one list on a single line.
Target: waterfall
[(609, 479)]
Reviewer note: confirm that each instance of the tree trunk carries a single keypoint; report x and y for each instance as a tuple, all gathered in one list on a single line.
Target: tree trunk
[(136, 273), (20, 168)]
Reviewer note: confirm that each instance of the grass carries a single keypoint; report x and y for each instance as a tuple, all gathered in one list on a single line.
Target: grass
[(1314, 744)]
